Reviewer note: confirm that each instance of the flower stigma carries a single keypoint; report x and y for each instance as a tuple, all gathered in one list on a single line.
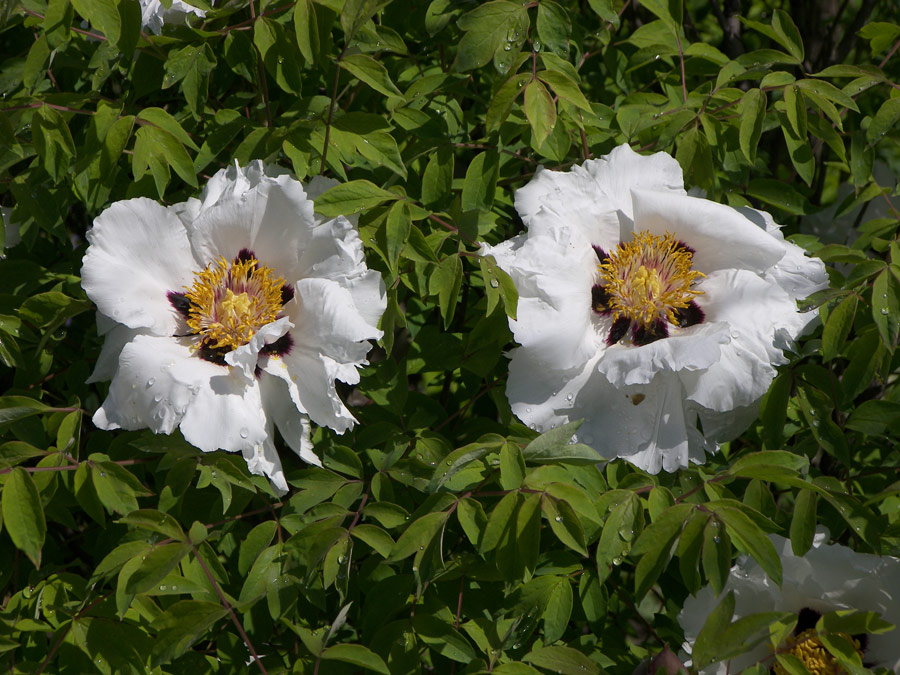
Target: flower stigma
[(646, 283), (808, 647), (229, 302)]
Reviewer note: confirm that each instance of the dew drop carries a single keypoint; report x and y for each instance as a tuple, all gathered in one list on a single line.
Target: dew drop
[(884, 310), (163, 587), (558, 519), (421, 548), (735, 334), (102, 474), (157, 398), (151, 382), (528, 410), (717, 539), (570, 397), (245, 432), (494, 283)]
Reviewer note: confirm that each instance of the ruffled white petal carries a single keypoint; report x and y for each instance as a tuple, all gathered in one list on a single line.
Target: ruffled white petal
[(826, 579), (246, 356), (154, 14), (273, 219), (721, 237), (292, 424), (595, 198), (553, 273), (139, 251)]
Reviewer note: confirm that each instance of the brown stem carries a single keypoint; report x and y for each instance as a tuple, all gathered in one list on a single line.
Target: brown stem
[(228, 607), (332, 103)]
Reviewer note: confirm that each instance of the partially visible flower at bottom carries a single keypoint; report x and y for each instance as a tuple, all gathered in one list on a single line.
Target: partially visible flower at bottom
[(154, 14), (656, 317), (828, 578), (232, 314), (11, 234)]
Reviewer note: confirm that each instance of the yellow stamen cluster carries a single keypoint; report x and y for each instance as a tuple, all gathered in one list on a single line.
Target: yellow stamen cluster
[(809, 649), (229, 302), (648, 278)]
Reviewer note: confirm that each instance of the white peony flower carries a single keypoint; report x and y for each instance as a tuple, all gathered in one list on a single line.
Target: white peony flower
[(829, 577), (154, 14), (646, 311), (230, 313)]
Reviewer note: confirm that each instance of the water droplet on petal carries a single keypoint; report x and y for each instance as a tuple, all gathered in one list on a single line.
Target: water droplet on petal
[(245, 432), (151, 382), (569, 397)]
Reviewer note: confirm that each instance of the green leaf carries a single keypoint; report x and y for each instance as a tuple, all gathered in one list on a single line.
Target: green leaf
[(375, 537), (803, 522), (540, 110), (14, 408), (306, 29), (351, 197), (180, 626), (563, 660), (397, 226), (751, 539), (446, 282), (443, 639), (886, 306), (154, 567), (254, 543), (706, 646), (769, 465), (23, 514), (103, 15), (564, 523), (800, 151), (368, 70), (853, 622), (556, 447), (279, 53), (191, 66), (829, 92), (160, 118), (419, 535), (472, 519), (481, 181), (512, 467), (437, 179), (787, 34), (502, 102), (52, 141), (753, 113), (489, 28), (357, 655), (690, 546), (564, 87), (837, 327), (716, 554), (155, 521), (557, 611), (780, 194), (654, 546)]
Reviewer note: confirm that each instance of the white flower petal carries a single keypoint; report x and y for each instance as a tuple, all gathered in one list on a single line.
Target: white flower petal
[(139, 251), (117, 336), (595, 198), (263, 460), (271, 217), (553, 273), (722, 238), (292, 424), (826, 579), (692, 349), (154, 14), (246, 356)]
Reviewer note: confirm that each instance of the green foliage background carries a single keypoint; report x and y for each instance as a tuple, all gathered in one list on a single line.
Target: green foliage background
[(442, 536)]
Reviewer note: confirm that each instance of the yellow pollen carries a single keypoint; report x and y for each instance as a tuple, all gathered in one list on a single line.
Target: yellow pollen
[(229, 302), (809, 649), (648, 278)]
